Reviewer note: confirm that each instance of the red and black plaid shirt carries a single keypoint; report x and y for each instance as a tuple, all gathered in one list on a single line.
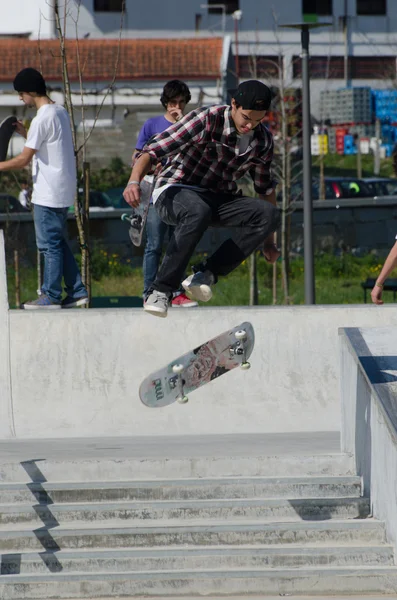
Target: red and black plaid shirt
[(202, 149)]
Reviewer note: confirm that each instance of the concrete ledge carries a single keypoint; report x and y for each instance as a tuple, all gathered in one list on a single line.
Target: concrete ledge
[(77, 373), (6, 414), (369, 415)]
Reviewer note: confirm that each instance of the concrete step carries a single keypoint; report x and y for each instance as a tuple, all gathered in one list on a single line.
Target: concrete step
[(204, 557), (174, 533), (291, 465), (315, 580), (183, 489), (185, 510)]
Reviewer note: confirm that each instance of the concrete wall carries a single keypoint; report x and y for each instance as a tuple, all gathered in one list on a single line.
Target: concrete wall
[(77, 373), (6, 416), (369, 416)]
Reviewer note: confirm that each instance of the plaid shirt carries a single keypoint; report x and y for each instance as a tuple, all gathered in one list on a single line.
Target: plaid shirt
[(202, 149)]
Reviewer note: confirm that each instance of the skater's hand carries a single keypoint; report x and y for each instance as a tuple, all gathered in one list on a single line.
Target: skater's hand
[(20, 128), (271, 253), (376, 294), (132, 195)]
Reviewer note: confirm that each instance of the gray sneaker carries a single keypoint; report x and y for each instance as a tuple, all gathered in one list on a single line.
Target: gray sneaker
[(199, 284), (157, 303)]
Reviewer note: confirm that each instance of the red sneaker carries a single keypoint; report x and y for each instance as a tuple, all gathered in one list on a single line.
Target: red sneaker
[(182, 301)]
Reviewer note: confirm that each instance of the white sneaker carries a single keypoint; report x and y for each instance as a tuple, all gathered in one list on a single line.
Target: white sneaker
[(157, 303), (199, 284)]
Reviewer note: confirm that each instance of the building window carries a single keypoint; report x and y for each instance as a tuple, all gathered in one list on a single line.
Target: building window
[(321, 67), (262, 67), (321, 8), (371, 7), (359, 67), (108, 5), (230, 6), (372, 67)]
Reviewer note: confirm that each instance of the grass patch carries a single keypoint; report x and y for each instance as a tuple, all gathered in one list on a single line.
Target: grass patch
[(337, 281)]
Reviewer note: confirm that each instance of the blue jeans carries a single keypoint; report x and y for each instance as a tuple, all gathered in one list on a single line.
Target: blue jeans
[(51, 239), (156, 231)]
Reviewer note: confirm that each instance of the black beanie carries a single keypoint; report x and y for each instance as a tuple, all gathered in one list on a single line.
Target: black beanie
[(29, 80)]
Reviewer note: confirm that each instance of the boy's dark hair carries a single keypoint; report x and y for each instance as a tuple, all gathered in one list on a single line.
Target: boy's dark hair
[(172, 89)]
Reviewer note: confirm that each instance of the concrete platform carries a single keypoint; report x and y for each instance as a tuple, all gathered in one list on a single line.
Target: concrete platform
[(193, 446)]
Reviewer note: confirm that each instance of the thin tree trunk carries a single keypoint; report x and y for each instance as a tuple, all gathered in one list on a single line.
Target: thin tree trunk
[(86, 223), (285, 194), (275, 275), (254, 301), (69, 108), (17, 280), (39, 273)]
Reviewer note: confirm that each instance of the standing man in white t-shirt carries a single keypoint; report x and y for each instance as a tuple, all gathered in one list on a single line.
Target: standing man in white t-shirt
[(49, 144)]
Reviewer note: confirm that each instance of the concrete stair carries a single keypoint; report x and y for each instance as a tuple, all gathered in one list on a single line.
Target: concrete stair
[(257, 526)]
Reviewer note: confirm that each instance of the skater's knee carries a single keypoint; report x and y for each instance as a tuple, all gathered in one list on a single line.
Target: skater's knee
[(268, 216)]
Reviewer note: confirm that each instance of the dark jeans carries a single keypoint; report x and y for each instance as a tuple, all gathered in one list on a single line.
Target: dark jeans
[(156, 231), (52, 242), (192, 212)]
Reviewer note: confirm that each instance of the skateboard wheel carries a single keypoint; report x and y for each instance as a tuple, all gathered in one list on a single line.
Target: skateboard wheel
[(240, 334), (177, 369), (124, 217), (245, 366), (182, 399)]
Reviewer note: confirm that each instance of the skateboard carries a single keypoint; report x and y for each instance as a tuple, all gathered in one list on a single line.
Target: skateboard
[(194, 369), (6, 130), (137, 220)]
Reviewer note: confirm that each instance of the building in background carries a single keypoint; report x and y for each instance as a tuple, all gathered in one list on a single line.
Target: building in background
[(140, 68), (359, 47)]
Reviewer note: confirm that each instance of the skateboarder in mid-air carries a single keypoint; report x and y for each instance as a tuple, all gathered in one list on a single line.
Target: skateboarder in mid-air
[(207, 151)]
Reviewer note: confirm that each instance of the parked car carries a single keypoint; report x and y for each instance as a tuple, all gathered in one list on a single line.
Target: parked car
[(116, 198), (334, 188), (10, 205), (381, 186), (98, 201)]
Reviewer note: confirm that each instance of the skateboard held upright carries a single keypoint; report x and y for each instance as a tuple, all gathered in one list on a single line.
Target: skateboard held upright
[(137, 220), (194, 369), (7, 128)]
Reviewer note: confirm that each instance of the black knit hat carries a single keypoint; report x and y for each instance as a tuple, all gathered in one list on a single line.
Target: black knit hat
[(29, 80), (252, 95)]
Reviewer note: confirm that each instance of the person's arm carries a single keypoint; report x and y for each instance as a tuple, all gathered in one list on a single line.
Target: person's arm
[(171, 141), (19, 162), (390, 264)]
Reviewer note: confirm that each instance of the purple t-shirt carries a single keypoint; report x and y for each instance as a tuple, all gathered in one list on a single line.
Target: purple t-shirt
[(150, 128)]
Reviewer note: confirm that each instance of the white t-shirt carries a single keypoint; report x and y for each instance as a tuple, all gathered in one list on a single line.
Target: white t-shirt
[(54, 165)]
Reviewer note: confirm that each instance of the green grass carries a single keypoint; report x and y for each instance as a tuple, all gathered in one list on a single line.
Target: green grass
[(338, 281), (346, 166)]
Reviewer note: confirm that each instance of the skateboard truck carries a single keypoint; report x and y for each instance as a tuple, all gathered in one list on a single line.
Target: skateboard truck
[(134, 221), (177, 382), (238, 349)]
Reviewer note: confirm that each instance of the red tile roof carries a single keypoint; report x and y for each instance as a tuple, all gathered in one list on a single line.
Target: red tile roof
[(196, 58)]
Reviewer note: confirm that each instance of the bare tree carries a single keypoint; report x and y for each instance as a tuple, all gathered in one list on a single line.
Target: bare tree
[(81, 205)]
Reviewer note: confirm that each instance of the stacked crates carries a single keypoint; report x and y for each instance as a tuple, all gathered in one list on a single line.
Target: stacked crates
[(347, 105), (319, 143), (349, 146), (340, 140), (384, 103)]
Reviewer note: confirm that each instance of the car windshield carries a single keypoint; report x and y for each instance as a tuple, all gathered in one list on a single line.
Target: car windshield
[(352, 188), (383, 188)]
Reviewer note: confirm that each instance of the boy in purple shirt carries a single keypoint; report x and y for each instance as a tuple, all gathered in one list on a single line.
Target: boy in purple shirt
[(175, 96)]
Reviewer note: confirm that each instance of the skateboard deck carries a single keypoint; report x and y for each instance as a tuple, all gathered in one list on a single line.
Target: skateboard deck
[(194, 369), (7, 128), (137, 220)]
